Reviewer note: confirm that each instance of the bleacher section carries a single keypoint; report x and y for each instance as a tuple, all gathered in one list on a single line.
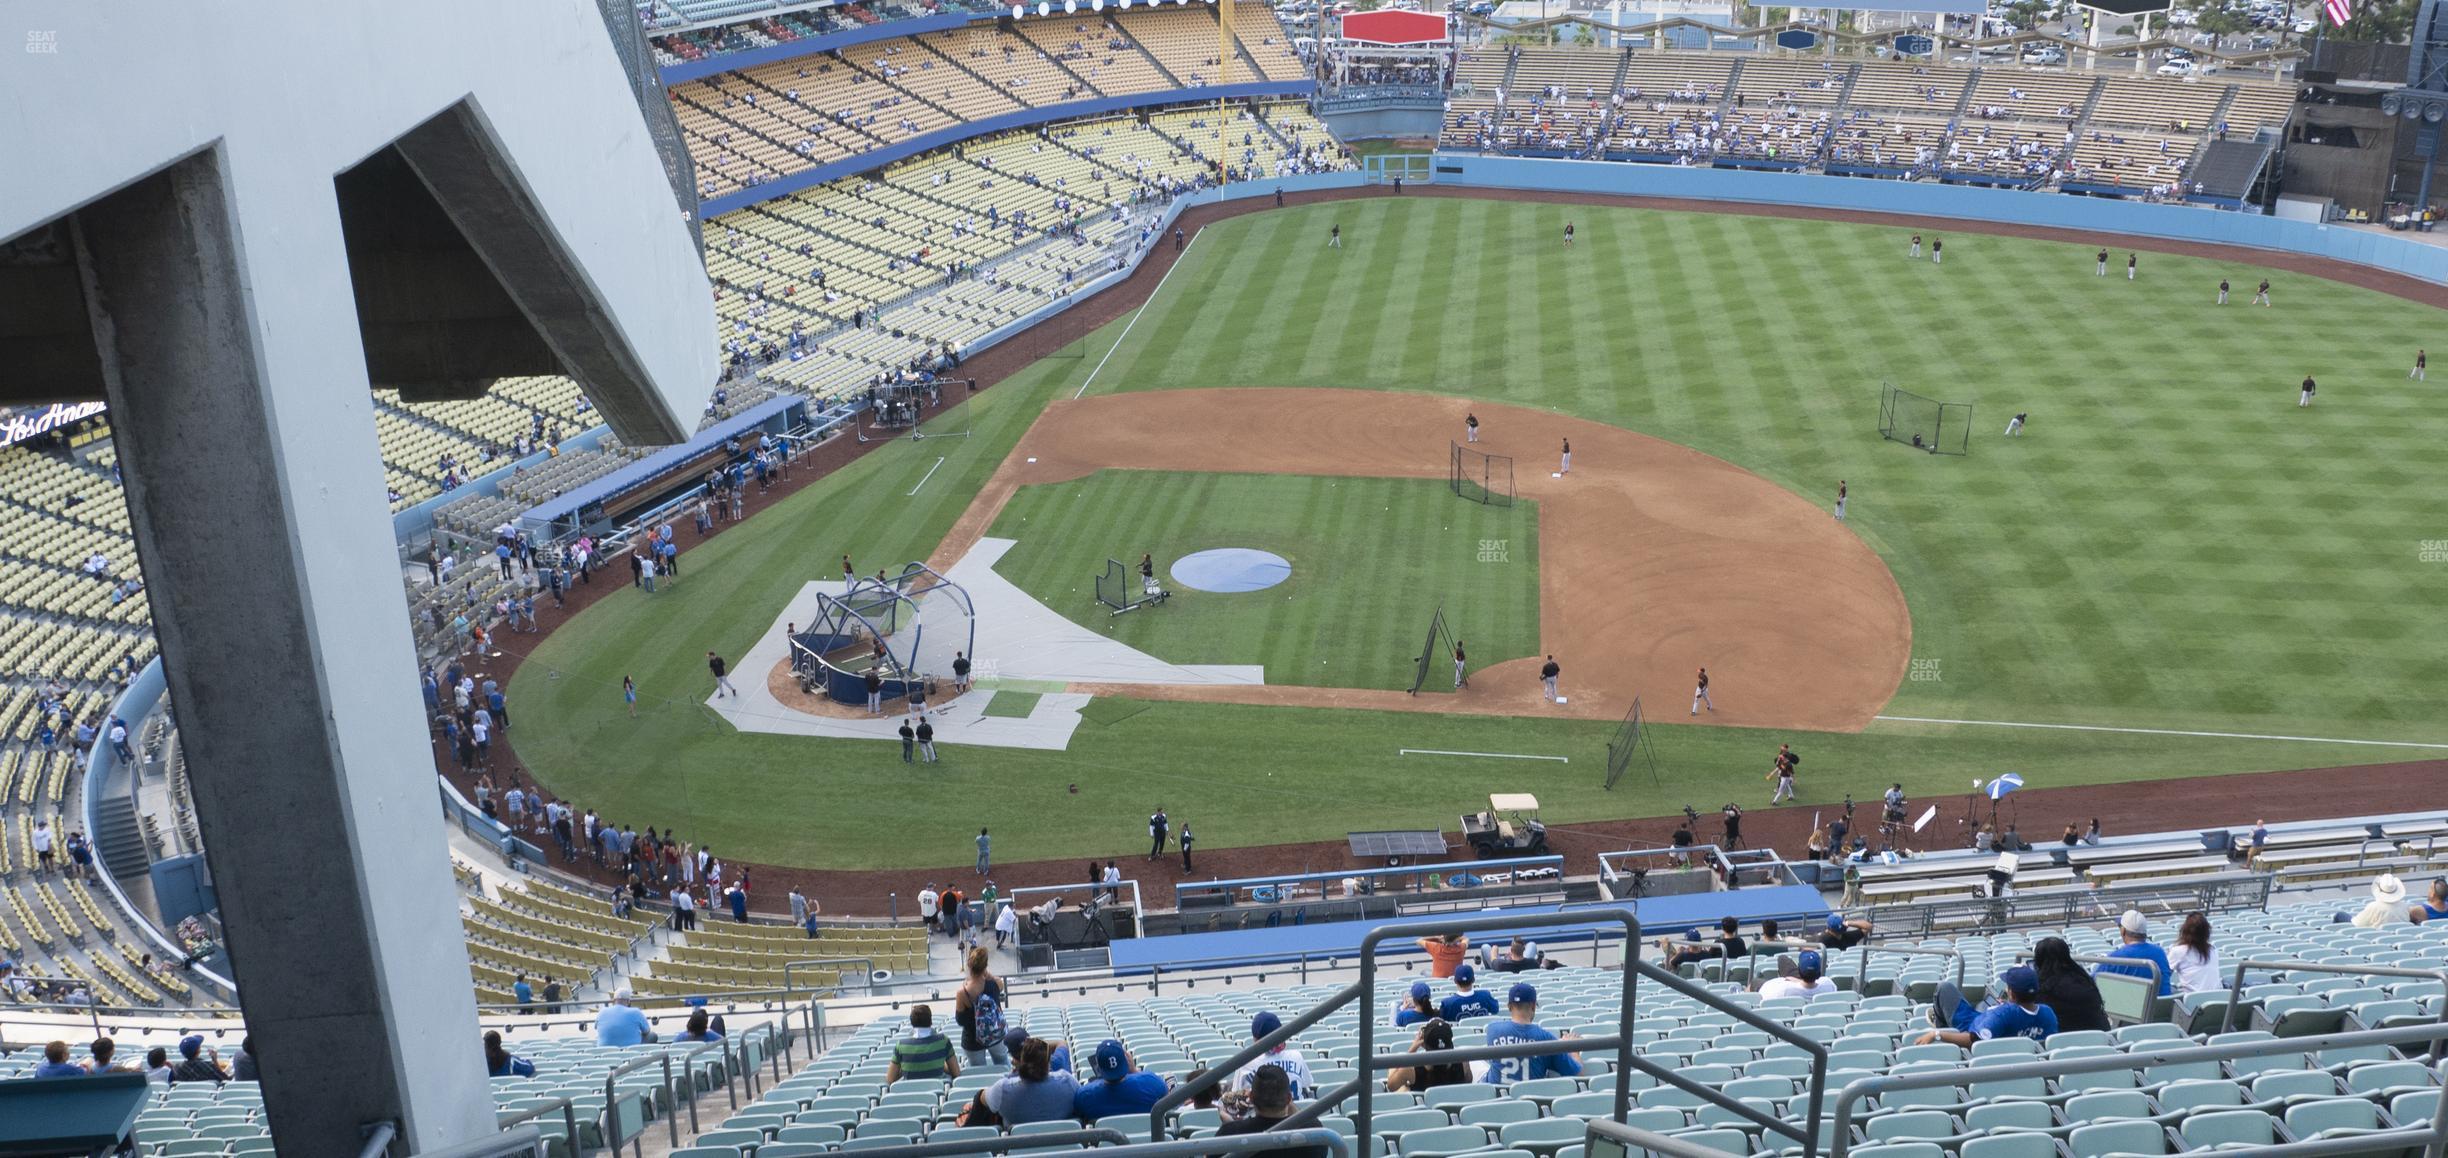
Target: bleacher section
[(748, 127), (1996, 124), (842, 1102)]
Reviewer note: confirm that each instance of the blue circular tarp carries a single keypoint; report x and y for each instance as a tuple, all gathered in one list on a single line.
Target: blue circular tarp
[(1229, 569)]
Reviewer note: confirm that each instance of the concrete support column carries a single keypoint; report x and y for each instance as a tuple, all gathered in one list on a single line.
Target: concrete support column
[(238, 395)]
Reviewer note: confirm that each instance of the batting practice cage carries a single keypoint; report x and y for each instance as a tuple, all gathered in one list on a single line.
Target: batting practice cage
[(1435, 653), (1120, 589), (1482, 478), (1925, 423), (1630, 745), (906, 629)]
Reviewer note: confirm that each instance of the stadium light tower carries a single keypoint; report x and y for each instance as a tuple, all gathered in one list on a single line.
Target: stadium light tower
[(229, 221), (2424, 100)]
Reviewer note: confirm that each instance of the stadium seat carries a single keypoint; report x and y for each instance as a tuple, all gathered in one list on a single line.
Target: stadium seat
[(1441, 1141), (2334, 1118), (2012, 1145)]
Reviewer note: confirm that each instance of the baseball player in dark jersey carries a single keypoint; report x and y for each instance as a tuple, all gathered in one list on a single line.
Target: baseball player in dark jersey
[(1470, 427), (1147, 574), (2133, 261), (1547, 678), (1938, 252), (2222, 291), (2421, 371), (2308, 388), (1841, 493), (1461, 674), (2102, 270), (1916, 247), (1700, 696), (1568, 235), (1334, 236), (1567, 467), (2261, 296)]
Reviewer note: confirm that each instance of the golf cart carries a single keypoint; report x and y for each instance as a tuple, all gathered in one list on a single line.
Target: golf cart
[(1509, 827)]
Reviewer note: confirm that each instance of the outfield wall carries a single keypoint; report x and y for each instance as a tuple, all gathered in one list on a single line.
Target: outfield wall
[(1924, 199)]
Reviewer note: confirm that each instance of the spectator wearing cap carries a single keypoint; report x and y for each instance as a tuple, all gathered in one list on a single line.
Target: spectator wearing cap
[(924, 1053), (1467, 1000), (1118, 1086), (1282, 1056), (1270, 1098), (2020, 1015), (1420, 1007), (2387, 903), (1017, 1036), (197, 1064), (2138, 947), (621, 1023), (1434, 1034), (1523, 1026), (1843, 934), (1806, 981)]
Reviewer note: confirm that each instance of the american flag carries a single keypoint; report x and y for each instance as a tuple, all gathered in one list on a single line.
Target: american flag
[(2336, 10)]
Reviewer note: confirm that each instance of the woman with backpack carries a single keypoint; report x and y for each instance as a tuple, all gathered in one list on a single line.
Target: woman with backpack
[(978, 1008)]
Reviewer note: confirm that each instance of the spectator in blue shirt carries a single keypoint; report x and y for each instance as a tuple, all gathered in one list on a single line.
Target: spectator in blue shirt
[(55, 1063), (2137, 946), (621, 1024), (1467, 1001), (2020, 1015), (1523, 1026), (1418, 1008), (524, 992), (1119, 1087), (501, 1063), (700, 1028)]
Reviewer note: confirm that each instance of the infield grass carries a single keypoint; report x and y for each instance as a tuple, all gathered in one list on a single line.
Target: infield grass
[(2173, 544), (1372, 559)]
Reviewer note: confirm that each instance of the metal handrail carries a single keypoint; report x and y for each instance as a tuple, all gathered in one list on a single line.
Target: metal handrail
[(2235, 989), (1808, 1135), (611, 1130), (1650, 1141), (569, 1122), (1098, 1136), (867, 971), (1365, 991), (512, 1142), (689, 1073), (378, 1136), (2141, 1057)]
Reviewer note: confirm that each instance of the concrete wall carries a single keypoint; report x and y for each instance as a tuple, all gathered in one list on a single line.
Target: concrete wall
[(1919, 199)]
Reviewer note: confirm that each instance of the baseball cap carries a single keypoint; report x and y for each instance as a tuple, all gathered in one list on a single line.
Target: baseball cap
[(621, 994), (191, 1045), (1111, 1062), (1014, 1037), (2022, 979), (2132, 922), (1265, 1023), (1420, 990), (1464, 974), (1809, 961), (1835, 921), (1523, 993), (1692, 934)]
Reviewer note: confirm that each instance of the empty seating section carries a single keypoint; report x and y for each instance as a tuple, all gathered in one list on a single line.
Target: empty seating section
[(1255, 26), (1010, 73), (2257, 107), (748, 127), (1097, 52), (2173, 106), (1184, 40), (841, 1100)]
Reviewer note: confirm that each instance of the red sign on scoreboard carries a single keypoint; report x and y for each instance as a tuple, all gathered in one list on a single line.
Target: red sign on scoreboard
[(1391, 26)]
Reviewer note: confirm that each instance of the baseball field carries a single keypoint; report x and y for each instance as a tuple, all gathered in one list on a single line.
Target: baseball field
[(2175, 568)]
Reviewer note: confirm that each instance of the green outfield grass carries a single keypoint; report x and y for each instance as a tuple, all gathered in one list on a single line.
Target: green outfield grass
[(1372, 559), (2174, 544)]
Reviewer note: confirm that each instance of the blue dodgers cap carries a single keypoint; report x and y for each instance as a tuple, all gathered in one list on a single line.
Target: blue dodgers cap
[(1464, 974), (191, 1045), (1835, 921), (1810, 962), (1420, 991), (1523, 993), (2022, 979), (1265, 1023), (1691, 934), (1111, 1063)]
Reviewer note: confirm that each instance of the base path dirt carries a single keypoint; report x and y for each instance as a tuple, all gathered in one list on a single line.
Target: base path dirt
[(2133, 807), (1654, 559)]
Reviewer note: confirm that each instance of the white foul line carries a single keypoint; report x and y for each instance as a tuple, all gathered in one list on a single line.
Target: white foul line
[(2168, 732), (1489, 755), (1151, 298), (922, 481)]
